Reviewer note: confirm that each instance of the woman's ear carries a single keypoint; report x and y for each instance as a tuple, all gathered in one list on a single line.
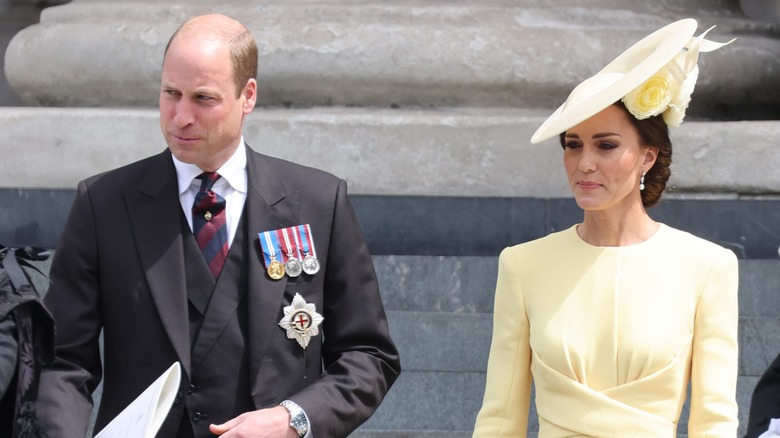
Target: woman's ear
[(651, 153)]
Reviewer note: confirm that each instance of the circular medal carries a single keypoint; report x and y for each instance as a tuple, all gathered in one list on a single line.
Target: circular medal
[(275, 269), (300, 321), (311, 265), (292, 266)]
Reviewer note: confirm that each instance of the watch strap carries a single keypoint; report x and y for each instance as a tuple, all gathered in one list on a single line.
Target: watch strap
[(298, 420)]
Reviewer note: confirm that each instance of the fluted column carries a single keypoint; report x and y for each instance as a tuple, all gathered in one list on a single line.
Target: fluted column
[(520, 54)]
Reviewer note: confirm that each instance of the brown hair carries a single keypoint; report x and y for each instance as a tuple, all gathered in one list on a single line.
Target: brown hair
[(653, 132), (241, 43)]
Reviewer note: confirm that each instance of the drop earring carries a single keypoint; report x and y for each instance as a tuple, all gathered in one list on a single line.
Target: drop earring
[(642, 181)]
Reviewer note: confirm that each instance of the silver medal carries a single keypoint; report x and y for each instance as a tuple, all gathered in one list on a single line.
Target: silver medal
[(292, 266), (311, 265)]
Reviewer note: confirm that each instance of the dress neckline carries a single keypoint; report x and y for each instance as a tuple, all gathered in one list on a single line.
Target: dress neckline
[(661, 230)]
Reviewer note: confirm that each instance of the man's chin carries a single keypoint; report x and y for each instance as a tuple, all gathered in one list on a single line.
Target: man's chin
[(181, 154)]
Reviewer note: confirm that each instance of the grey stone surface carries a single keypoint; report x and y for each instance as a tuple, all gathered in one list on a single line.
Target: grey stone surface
[(431, 401), (759, 289), (425, 225), (455, 152), (411, 434), (745, 387), (14, 16), (759, 342), (764, 10), (524, 54), (441, 285), (442, 342)]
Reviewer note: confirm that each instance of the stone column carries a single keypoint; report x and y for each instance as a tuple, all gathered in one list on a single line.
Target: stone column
[(520, 54)]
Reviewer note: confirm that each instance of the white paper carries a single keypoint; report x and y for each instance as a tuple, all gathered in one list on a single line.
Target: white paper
[(144, 416)]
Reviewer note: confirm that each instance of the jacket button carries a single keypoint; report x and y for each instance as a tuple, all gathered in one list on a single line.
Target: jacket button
[(197, 416), (177, 399), (192, 389)]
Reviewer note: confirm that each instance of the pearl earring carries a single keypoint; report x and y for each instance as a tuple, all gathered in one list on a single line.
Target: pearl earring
[(642, 181)]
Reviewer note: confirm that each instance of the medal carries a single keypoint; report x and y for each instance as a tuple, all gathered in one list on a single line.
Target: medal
[(301, 321), (274, 267), (310, 263), (292, 265)]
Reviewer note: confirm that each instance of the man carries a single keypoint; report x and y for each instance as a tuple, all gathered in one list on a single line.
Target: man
[(248, 338), (765, 403)]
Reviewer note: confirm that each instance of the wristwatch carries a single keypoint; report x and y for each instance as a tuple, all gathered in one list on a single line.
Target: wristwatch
[(298, 419)]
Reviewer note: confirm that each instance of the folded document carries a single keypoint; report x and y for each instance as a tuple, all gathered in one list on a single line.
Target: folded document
[(144, 416)]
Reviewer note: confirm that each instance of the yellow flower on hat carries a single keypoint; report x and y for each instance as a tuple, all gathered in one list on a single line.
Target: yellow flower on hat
[(674, 115), (652, 97)]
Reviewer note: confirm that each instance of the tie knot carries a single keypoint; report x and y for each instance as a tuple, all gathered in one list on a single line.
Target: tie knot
[(207, 180)]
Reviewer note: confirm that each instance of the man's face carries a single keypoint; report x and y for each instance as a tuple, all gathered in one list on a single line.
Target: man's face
[(200, 115)]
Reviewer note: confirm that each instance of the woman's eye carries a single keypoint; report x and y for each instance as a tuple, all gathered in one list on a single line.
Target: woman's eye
[(571, 145), (607, 145)]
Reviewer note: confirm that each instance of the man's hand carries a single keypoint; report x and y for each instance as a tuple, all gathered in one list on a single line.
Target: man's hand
[(264, 423)]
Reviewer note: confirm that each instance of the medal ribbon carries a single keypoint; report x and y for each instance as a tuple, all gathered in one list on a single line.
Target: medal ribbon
[(269, 243), (288, 250), (296, 241), (308, 244)]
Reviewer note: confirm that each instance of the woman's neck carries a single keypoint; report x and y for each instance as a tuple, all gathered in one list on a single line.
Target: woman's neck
[(605, 228)]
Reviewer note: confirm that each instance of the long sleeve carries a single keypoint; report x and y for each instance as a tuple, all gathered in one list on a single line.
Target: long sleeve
[(713, 407), (64, 399), (504, 409)]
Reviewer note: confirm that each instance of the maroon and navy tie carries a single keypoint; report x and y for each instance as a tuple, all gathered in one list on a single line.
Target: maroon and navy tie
[(209, 224)]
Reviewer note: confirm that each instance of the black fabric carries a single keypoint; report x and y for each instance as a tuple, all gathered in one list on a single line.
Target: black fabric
[(765, 402), (221, 371), (35, 334)]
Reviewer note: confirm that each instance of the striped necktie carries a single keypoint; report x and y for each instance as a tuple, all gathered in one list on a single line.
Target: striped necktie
[(209, 223)]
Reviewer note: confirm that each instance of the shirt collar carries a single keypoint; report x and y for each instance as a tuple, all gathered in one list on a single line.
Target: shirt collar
[(233, 171)]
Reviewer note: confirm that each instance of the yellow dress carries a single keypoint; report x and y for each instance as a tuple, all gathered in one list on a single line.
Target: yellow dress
[(612, 336)]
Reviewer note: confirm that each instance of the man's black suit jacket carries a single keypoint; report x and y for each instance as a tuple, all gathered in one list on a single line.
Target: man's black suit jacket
[(119, 267), (765, 403)]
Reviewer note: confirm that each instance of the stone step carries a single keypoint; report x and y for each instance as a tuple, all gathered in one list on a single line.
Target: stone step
[(525, 54), (449, 225), (456, 152), (440, 316)]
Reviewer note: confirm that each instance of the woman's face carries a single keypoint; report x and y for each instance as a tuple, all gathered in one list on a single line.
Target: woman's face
[(604, 160)]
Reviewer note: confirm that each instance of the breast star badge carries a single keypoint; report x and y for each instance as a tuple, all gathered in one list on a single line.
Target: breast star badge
[(301, 321)]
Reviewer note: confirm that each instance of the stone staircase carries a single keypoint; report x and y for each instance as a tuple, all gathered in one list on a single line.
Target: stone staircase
[(426, 109)]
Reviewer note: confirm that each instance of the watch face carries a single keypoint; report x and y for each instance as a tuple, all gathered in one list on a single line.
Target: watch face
[(297, 419)]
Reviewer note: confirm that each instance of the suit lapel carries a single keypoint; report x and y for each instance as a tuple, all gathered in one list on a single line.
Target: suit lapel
[(156, 220), (269, 207)]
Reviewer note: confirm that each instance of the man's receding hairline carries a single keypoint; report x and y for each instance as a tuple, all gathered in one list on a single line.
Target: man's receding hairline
[(216, 27)]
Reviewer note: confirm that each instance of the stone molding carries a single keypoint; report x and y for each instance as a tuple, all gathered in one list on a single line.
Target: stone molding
[(384, 152)]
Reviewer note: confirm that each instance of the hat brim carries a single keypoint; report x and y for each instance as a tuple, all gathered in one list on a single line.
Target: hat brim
[(618, 78)]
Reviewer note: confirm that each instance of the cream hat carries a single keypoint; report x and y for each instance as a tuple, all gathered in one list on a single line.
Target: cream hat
[(654, 76)]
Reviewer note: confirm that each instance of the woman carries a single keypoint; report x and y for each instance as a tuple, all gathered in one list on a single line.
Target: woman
[(612, 318)]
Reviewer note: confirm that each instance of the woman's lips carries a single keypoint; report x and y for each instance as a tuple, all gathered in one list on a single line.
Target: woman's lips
[(588, 185)]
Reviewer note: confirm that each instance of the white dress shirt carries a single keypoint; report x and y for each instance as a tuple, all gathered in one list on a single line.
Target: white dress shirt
[(232, 186)]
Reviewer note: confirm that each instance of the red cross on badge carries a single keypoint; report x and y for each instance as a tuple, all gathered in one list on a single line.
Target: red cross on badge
[(300, 321)]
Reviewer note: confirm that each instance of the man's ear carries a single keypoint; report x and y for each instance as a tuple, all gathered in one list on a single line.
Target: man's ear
[(250, 95)]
